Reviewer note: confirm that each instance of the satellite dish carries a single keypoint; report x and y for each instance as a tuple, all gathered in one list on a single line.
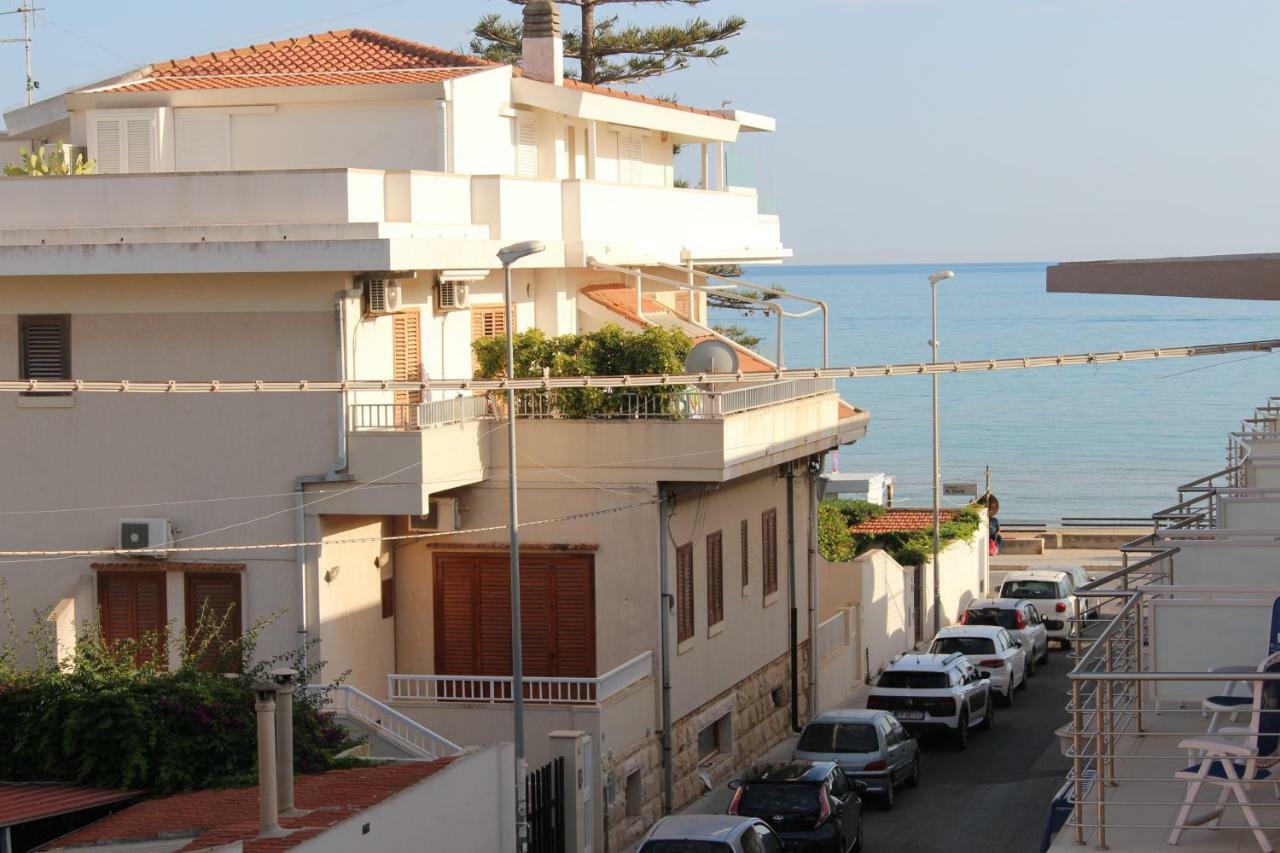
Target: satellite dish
[(712, 356)]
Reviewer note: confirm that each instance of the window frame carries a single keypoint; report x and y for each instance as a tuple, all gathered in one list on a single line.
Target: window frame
[(686, 615), (25, 321)]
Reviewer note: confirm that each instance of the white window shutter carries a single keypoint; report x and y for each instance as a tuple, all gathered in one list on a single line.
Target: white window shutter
[(630, 158), (526, 148), (203, 143), (138, 143), (108, 146)]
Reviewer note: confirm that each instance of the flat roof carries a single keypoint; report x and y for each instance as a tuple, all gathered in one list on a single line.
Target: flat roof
[(1255, 276)]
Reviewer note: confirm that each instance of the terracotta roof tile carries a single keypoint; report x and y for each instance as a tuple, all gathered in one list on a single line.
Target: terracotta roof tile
[(225, 816), (337, 58), (24, 802), (901, 521)]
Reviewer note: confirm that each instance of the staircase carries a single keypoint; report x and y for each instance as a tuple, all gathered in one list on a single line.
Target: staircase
[(391, 734)]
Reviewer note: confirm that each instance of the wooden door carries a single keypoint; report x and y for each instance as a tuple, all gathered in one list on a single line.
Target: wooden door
[(131, 606), (213, 599)]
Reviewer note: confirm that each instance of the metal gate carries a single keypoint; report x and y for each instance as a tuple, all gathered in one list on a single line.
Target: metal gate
[(544, 793)]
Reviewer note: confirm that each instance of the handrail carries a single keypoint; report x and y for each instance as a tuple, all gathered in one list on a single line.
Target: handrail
[(494, 689), (1092, 586), (403, 730)]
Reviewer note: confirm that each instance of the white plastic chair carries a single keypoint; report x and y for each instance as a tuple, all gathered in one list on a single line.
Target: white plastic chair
[(1232, 760)]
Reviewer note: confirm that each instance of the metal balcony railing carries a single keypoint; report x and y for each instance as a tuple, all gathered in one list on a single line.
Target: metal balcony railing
[(398, 417)]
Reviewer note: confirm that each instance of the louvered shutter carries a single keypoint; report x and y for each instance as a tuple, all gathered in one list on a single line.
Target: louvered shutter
[(526, 148), (45, 346), (108, 146), (769, 546), (630, 158), (743, 536), (575, 617), (138, 143), (495, 615), (214, 599), (456, 608), (115, 607), (488, 322), (684, 592), (131, 605), (406, 339), (537, 615), (204, 142), (715, 578), (123, 143)]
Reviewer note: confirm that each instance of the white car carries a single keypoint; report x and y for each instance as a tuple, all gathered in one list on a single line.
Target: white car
[(989, 648), (728, 833), (1050, 592), (935, 693), (1017, 616), (1079, 577)]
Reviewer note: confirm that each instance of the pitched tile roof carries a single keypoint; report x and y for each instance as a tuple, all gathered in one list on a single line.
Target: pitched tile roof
[(901, 521), (336, 58), (633, 96), (215, 817), (28, 801)]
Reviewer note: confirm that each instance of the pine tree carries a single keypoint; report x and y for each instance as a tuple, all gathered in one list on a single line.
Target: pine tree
[(609, 52)]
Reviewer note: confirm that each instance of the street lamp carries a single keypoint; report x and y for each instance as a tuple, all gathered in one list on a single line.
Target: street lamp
[(937, 470), (509, 255)]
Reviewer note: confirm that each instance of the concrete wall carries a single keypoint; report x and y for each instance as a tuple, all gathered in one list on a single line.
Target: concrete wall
[(354, 637), (1250, 513), (479, 785), (1225, 563)]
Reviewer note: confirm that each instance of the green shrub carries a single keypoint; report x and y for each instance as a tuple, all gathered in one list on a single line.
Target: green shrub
[(913, 548)]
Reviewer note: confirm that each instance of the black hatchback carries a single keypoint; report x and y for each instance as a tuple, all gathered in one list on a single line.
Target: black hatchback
[(812, 806)]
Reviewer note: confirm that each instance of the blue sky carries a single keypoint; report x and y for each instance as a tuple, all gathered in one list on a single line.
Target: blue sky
[(909, 130)]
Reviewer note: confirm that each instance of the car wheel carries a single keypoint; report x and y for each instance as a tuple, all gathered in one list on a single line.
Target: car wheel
[(1006, 698), (913, 781), (1044, 658), (1031, 668), (989, 718), (887, 798), (961, 735), (857, 845), (1027, 672)]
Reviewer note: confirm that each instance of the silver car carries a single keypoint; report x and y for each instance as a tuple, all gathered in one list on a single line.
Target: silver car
[(870, 746), (708, 832)]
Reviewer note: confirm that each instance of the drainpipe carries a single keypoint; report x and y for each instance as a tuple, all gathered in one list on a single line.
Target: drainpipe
[(815, 468), (791, 595), (665, 602)]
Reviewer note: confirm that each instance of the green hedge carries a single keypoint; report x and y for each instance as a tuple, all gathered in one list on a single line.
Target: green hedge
[(837, 544)]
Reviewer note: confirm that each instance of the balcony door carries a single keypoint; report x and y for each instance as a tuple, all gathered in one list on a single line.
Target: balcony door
[(473, 614)]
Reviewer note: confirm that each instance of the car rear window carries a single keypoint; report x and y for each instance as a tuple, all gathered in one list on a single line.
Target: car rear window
[(766, 799), (963, 645), (672, 845), (914, 680), (992, 616), (839, 737), (1029, 589)]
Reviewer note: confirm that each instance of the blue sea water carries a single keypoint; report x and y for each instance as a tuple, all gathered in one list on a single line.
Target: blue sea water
[(1107, 440)]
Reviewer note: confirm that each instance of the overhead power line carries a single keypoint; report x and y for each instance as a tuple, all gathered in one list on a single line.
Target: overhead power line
[(331, 386)]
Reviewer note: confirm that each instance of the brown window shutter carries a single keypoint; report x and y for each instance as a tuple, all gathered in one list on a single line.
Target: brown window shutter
[(744, 544), (494, 634), (684, 592), (388, 597), (456, 616), (575, 617), (537, 614), (131, 605), (715, 578), (769, 542), (406, 337), (217, 596)]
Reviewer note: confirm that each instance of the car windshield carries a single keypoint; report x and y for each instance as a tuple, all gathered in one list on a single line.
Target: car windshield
[(766, 799), (675, 845), (992, 616), (914, 680), (839, 737), (1029, 589), (963, 645)]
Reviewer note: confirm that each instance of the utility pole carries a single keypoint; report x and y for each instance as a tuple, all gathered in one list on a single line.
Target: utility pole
[(28, 13)]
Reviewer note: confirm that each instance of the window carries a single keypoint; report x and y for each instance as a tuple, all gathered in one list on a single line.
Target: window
[(746, 554), (44, 348), (779, 696), (526, 147), (490, 322), (122, 143), (684, 593), (203, 141), (963, 645), (769, 548), (716, 737), (839, 737), (635, 793), (630, 158), (131, 606), (907, 680), (1031, 589), (715, 579), (388, 598), (213, 602)]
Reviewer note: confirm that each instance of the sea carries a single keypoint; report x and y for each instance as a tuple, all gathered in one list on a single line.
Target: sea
[(1109, 441)]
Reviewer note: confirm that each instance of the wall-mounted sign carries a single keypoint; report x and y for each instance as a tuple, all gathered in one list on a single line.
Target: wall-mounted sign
[(960, 489)]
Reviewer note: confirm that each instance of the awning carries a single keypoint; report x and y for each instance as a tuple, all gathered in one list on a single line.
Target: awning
[(1214, 277)]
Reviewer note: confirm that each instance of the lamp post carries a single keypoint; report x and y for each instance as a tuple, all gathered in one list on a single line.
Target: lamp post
[(937, 470), (509, 255)]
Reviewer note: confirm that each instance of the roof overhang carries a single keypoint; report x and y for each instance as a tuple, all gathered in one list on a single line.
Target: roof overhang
[(264, 95), (1214, 277), (751, 122), (592, 106)]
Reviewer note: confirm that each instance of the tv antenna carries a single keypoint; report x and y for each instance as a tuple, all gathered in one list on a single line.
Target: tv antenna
[(28, 13)]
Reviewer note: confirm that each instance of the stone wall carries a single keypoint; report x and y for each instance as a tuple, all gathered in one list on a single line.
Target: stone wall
[(760, 717)]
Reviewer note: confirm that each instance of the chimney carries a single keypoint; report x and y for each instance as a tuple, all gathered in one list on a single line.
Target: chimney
[(268, 808), (543, 52), (284, 738)]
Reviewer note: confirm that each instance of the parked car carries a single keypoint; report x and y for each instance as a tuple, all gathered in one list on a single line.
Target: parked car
[(870, 746), (709, 833), (1079, 577), (1020, 618), (942, 693), (812, 805), (990, 648), (1050, 592)]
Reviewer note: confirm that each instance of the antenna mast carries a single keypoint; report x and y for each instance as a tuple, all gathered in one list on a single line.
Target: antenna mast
[(28, 13)]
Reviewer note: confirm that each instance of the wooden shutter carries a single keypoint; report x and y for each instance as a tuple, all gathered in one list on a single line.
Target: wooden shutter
[(131, 605), (715, 578), (684, 593), (204, 142), (406, 343), (630, 158), (217, 597), (526, 148), (769, 545), (575, 617), (457, 607), (745, 553), (494, 594), (488, 322), (44, 346), (537, 614)]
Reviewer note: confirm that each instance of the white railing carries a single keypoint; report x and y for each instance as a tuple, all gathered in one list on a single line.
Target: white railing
[(405, 417), (758, 396), (833, 634), (492, 689), (688, 403), (408, 734)]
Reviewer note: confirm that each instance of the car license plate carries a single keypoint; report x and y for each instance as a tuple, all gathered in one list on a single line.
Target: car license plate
[(909, 715)]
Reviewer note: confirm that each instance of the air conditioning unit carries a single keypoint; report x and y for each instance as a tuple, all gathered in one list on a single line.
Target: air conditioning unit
[(138, 533), (444, 515), (452, 295), (382, 296)]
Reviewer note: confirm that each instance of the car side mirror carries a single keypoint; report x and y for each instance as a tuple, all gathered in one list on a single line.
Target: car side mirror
[(735, 784), (985, 676), (1018, 643)]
